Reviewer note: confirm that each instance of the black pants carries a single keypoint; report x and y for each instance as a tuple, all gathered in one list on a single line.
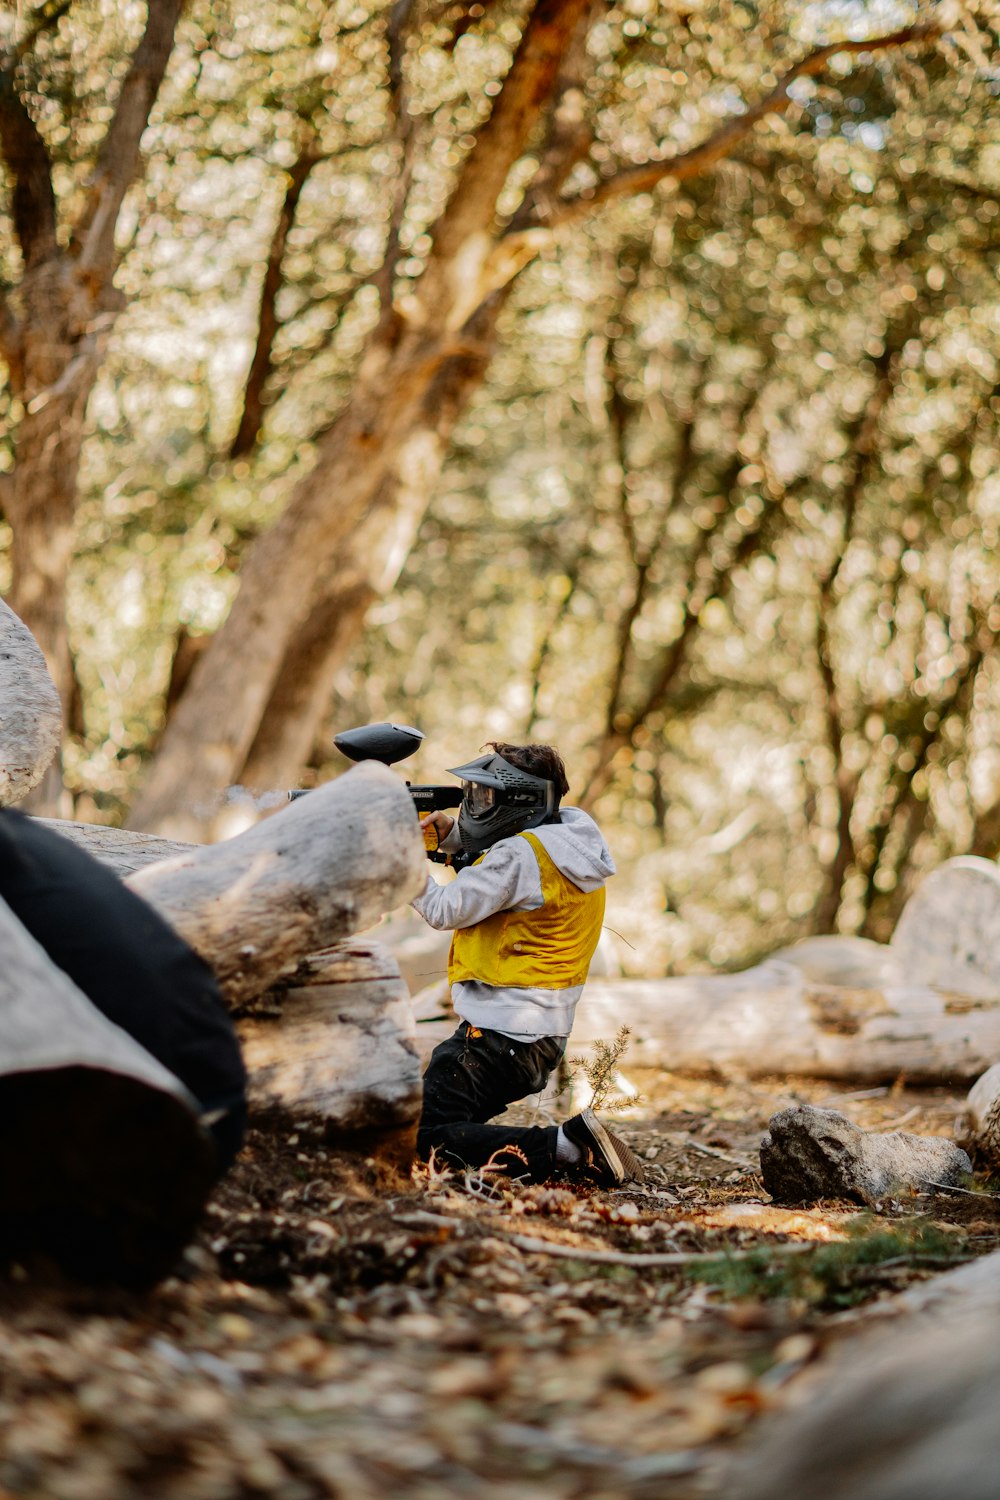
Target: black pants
[(472, 1077)]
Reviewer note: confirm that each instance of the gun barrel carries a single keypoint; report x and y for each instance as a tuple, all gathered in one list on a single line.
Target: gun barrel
[(425, 798)]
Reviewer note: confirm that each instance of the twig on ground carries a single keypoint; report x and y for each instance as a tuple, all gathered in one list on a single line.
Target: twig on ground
[(876, 1093), (911, 1114), (532, 1246), (947, 1187), (422, 1216), (636, 1258)]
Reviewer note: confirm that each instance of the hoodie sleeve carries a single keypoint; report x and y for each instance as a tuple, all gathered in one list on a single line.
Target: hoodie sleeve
[(506, 878)]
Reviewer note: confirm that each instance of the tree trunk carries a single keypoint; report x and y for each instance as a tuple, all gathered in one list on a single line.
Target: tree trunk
[(210, 737), (366, 567), (56, 327), (64, 332)]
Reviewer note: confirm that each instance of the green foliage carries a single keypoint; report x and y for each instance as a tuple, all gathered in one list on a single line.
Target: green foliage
[(837, 1275)]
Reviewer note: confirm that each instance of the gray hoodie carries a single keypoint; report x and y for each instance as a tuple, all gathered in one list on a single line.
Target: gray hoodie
[(508, 879)]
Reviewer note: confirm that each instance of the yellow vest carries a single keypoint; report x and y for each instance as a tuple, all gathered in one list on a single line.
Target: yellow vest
[(546, 949)]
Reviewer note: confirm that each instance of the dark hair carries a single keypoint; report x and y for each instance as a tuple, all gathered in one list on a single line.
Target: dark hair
[(538, 760)]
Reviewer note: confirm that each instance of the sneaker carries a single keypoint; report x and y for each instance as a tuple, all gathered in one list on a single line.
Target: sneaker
[(602, 1153)]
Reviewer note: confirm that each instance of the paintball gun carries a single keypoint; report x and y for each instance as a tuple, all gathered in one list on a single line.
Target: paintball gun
[(389, 743)]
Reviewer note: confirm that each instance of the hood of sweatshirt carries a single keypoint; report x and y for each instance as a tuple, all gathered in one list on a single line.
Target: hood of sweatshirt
[(576, 847)]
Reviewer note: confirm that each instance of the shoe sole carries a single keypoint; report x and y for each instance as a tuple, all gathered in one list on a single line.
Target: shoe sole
[(634, 1170), (605, 1145)]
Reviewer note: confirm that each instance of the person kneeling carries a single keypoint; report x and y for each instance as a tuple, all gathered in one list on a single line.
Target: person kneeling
[(526, 907)]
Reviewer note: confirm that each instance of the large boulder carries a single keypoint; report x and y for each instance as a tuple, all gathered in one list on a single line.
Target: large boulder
[(810, 1153)]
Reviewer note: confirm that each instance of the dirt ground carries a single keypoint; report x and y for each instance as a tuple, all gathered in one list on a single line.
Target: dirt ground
[(337, 1331)]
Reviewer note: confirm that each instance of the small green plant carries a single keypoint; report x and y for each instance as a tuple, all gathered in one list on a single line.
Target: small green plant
[(601, 1071)]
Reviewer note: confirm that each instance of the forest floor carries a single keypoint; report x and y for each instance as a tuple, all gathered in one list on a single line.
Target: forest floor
[(338, 1332)]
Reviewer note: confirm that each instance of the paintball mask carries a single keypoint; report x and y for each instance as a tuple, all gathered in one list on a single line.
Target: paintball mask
[(500, 800)]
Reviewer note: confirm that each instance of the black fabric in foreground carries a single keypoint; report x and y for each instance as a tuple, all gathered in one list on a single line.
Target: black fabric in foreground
[(130, 964)]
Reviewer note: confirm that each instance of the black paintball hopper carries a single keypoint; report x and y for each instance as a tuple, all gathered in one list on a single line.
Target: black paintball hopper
[(383, 742)]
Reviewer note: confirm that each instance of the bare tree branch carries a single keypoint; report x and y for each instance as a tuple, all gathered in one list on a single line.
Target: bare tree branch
[(986, 832), (33, 202), (703, 585), (406, 136), (117, 163), (261, 365), (900, 792), (570, 135), (722, 142), (11, 347), (641, 555), (864, 446)]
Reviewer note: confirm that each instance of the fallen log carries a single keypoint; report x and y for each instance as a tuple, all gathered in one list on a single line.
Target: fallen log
[(104, 1165), (926, 1006), (254, 907), (340, 1052), (120, 849), (768, 1021), (30, 712), (948, 934), (333, 1043), (325, 867)]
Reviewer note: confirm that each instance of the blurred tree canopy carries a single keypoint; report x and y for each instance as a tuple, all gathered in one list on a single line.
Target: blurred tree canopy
[(622, 375)]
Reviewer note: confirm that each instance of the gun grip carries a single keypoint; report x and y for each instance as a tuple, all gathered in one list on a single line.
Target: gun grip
[(431, 840)]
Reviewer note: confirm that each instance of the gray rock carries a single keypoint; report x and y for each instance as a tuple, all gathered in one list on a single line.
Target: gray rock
[(810, 1153)]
